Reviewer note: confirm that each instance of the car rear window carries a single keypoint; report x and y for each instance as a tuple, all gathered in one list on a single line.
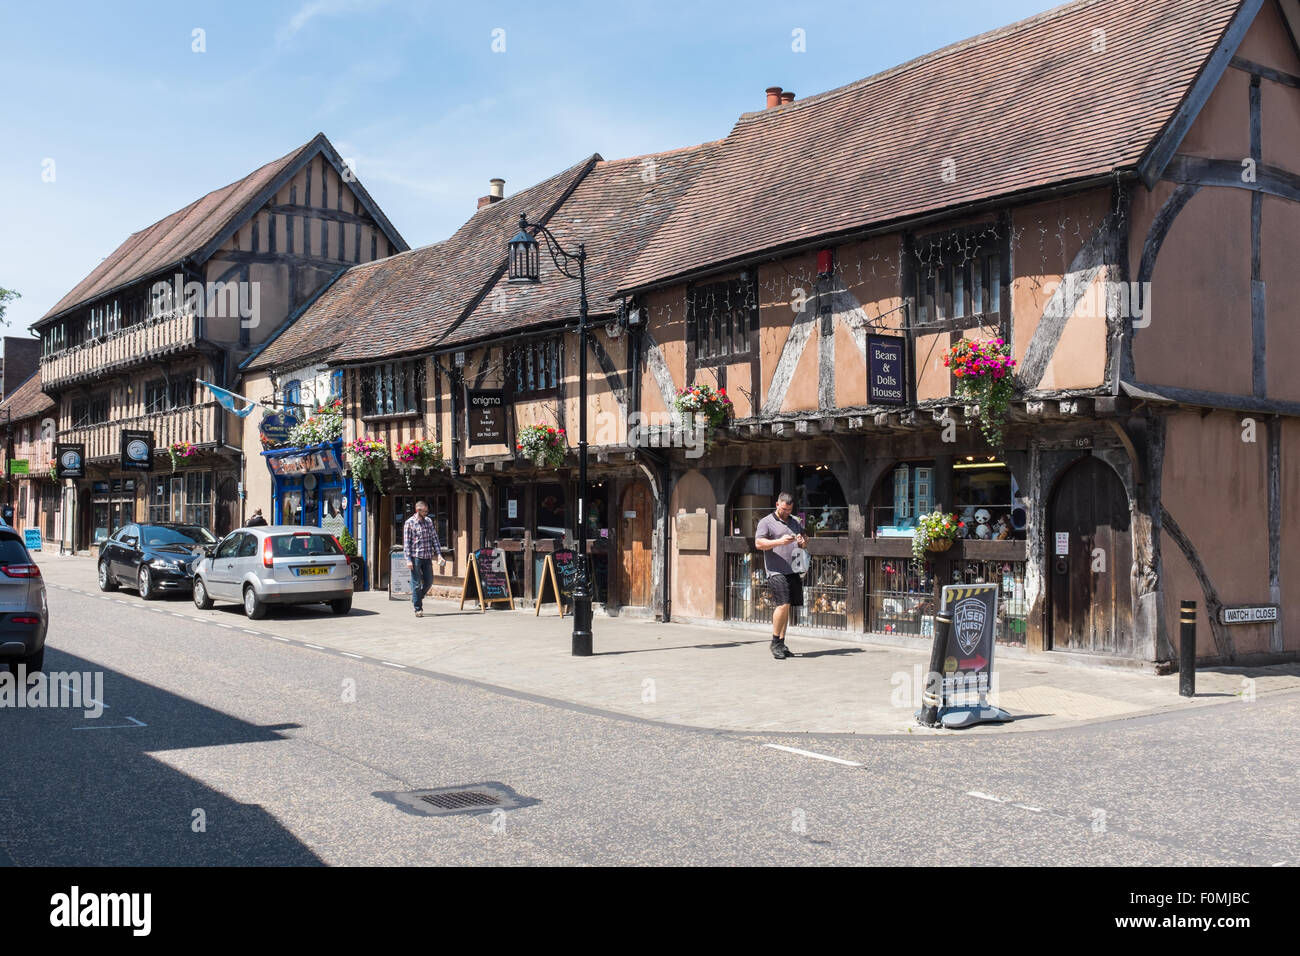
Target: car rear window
[(12, 549), (303, 545)]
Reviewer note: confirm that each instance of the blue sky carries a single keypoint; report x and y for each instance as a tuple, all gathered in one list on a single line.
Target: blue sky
[(139, 125)]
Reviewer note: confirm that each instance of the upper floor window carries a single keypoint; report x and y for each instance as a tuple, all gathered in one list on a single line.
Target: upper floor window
[(394, 388), (161, 396), (720, 317), (336, 385), (89, 411), (958, 278), (292, 393), (534, 367)]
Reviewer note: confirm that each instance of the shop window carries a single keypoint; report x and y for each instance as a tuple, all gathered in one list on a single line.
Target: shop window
[(394, 388), (291, 507), (985, 497), (92, 410), (719, 318), (534, 367), (901, 497), (900, 597), (819, 501), (161, 395), (198, 498), (752, 501), (1013, 609), (510, 512), (552, 515), (159, 503)]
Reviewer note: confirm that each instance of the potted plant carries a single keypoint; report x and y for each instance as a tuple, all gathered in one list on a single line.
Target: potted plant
[(422, 453), (983, 369), (703, 401), (355, 562), (935, 532), (543, 445), (367, 458), (178, 450)]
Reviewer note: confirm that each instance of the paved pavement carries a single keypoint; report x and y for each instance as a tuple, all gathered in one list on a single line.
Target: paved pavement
[(704, 677)]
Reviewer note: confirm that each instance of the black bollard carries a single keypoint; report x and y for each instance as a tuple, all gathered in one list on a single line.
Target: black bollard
[(1187, 650), (932, 695)]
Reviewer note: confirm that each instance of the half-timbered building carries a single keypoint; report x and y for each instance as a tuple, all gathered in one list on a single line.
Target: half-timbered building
[(184, 301), (1111, 188)]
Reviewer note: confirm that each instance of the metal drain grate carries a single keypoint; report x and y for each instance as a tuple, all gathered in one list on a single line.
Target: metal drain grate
[(461, 799), (486, 797)]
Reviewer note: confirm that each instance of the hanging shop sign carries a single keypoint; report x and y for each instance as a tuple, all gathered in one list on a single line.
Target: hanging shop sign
[(18, 466), (70, 461), (137, 450), (1249, 614), (487, 417), (274, 427), (314, 462), (886, 364)]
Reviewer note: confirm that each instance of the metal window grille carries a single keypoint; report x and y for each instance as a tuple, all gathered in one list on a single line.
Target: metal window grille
[(900, 597), (1013, 608)]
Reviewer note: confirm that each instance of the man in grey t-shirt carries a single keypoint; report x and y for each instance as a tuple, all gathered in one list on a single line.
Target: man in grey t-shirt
[(777, 535)]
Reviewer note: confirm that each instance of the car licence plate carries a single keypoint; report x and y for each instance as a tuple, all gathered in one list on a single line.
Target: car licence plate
[(312, 570)]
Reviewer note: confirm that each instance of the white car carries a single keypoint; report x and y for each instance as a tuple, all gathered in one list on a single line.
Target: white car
[(274, 564)]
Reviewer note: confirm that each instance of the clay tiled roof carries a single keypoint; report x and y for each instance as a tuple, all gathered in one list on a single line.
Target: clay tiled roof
[(615, 210), (423, 292), (1025, 106), (28, 400)]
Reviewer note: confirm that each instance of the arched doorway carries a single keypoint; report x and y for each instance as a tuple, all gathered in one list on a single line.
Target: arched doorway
[(1091, 605), (635, 546)]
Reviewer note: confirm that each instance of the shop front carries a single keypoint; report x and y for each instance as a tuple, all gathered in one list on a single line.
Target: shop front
[(309, 487)]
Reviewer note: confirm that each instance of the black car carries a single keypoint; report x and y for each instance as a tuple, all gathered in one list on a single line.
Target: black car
[(152, 558)]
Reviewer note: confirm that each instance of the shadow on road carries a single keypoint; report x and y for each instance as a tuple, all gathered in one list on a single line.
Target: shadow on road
[(85, 791)]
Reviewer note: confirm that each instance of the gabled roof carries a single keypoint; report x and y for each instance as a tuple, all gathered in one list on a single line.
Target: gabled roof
[(615, 210), (27, 400), (1045, 101), (414, 298), (199, 229)]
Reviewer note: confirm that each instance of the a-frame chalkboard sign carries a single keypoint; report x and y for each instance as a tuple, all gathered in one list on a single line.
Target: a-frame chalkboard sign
[(549, 576), (487, 577)]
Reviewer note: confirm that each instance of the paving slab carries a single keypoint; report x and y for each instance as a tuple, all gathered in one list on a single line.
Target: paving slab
[(719, 678)]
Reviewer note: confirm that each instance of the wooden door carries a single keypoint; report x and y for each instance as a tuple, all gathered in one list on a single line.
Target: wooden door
[(634, 546), (1091, 603)]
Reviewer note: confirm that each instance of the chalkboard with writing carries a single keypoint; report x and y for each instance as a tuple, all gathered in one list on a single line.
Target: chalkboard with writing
[(560, 573), (487, 579)]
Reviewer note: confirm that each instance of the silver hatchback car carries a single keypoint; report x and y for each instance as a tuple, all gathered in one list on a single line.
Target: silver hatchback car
[(24, 614), (274, 564)]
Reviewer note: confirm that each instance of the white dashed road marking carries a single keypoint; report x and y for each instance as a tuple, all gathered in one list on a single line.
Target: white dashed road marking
[(133, 724), (357, 656), (391, 664), (817, 756), (316, 646)]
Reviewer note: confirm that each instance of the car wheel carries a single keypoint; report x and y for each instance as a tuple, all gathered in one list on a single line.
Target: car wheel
[(341, 606), (33, 662), (146, 584), (201, 599), (106, 581), (254, 606)]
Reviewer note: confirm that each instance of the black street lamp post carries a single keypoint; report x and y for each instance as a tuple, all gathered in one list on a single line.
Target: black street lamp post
[(523, 260)]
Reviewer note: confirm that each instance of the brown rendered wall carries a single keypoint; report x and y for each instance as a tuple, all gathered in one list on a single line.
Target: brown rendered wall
[(1279, 227), (1289, 566), (1199, 336), (257, 477), (1267, 42), (694, 573), (1214, 486)]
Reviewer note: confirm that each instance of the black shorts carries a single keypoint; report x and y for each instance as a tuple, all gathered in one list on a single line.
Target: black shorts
[(785, 589)]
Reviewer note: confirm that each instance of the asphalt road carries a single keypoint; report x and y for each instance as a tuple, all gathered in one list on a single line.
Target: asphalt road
[(221, 746)]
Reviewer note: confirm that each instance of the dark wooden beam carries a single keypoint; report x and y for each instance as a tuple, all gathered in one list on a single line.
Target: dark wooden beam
[(1265, 72)]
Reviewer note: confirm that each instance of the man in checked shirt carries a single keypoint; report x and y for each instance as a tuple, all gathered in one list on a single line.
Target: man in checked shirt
[(421, 546)]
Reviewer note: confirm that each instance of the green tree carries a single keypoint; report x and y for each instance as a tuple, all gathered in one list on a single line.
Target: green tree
[(6, 296)]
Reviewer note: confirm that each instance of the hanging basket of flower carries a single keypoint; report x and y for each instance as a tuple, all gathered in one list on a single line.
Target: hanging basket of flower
[(54, 470), (323, 425), (704, 404), (543, 445), (367, 458), (421, 453), (179, 450), (983, 369), (935, 533)]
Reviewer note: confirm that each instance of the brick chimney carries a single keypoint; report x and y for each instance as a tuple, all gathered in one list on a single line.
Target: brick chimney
[(496, 193), (786, 97), (773, 96)]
